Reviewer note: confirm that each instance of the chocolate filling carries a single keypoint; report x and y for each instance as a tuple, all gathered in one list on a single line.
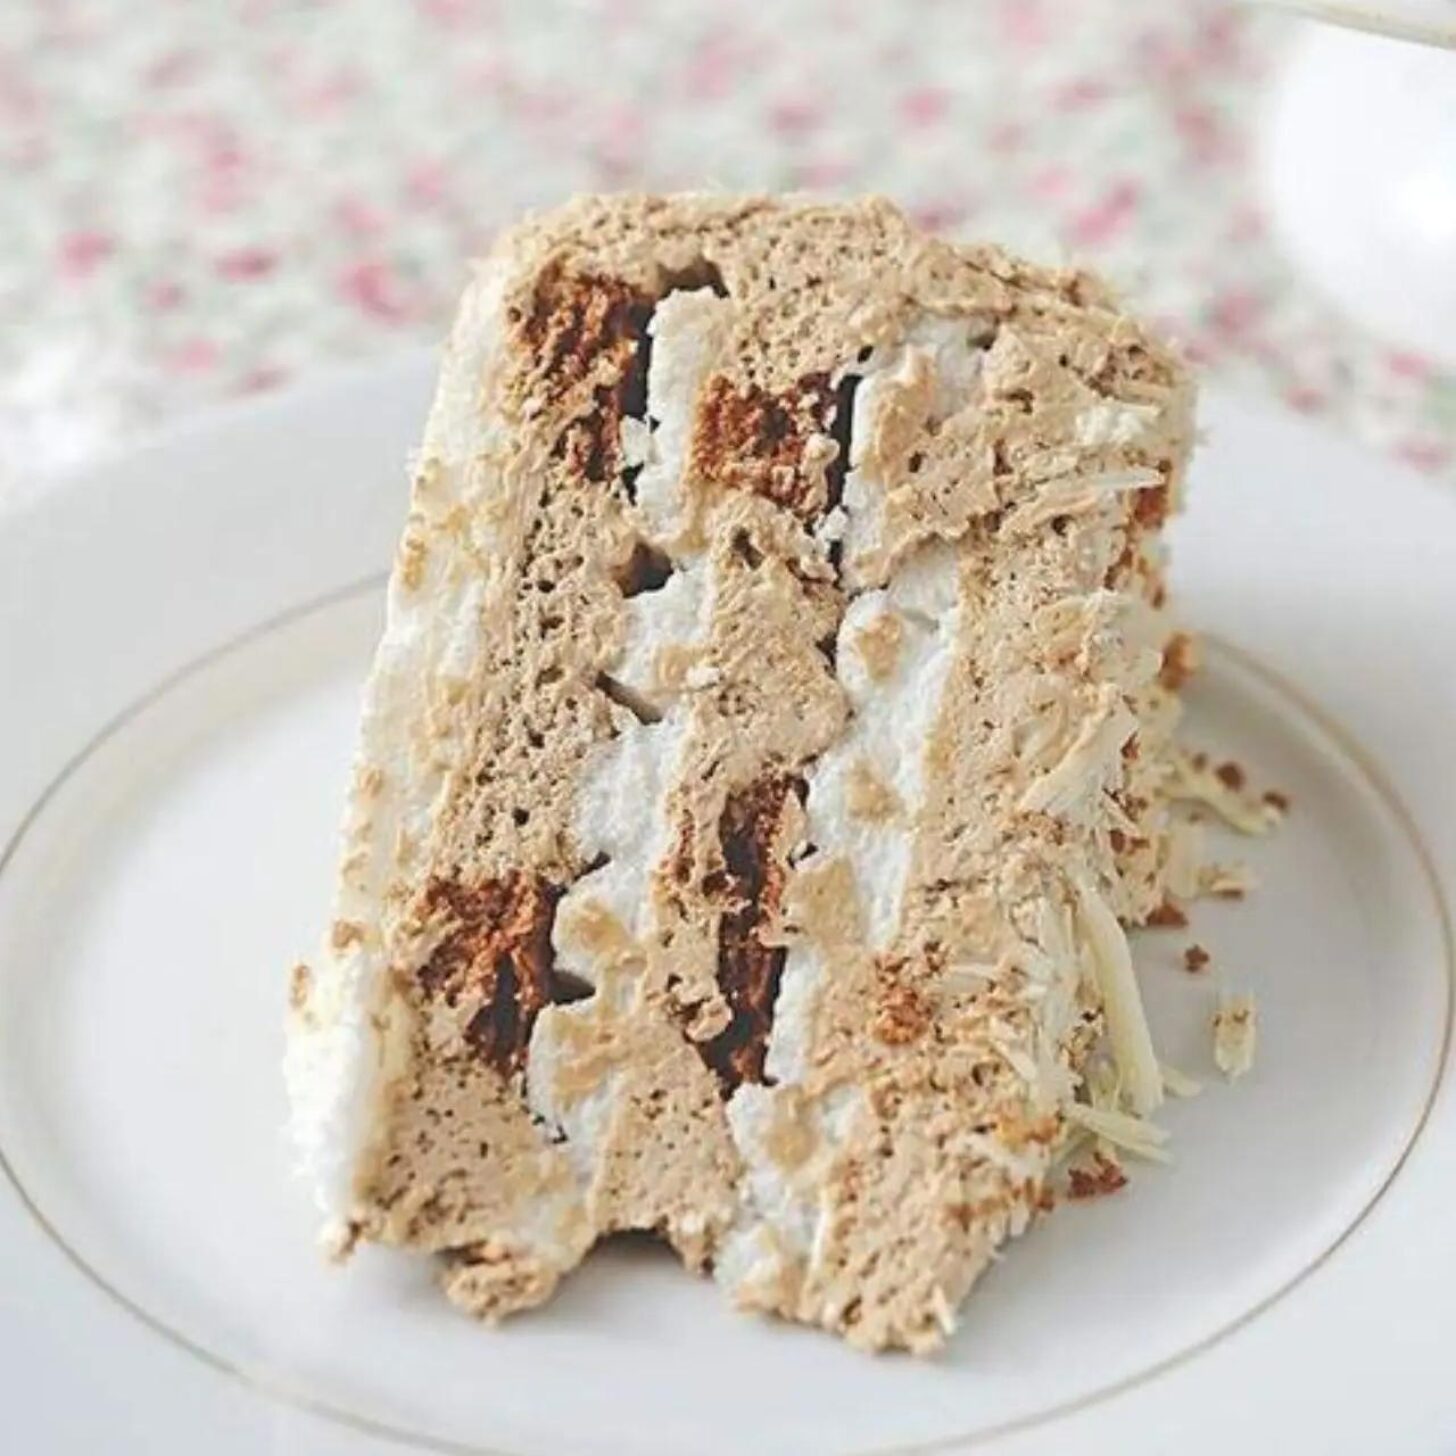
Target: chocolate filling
[(630, 397), (646, 570), (576, 320), (840, 424), (580, 326), (748, 970), (497, 951), (756, 441), (840, 427)]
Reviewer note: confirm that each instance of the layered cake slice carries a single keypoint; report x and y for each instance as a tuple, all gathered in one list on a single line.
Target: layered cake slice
[(768, 745)]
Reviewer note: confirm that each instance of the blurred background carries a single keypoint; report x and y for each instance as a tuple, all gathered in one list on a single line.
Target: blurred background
[(202, 200)]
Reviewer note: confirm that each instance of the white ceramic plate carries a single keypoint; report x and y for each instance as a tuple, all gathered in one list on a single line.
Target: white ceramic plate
[(182, 636), (1431, 22)]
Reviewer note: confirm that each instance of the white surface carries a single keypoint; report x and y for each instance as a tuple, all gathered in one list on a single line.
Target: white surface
[(1359, 178), (148, 915)]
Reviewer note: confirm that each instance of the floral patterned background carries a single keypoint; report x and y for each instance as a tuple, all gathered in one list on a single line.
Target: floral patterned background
[(200, 201)]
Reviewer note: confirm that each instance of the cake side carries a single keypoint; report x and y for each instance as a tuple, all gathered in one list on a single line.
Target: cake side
[(770, 737), (348, 1031)]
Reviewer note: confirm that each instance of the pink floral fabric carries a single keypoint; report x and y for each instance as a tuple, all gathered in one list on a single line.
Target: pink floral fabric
[(201, 201)]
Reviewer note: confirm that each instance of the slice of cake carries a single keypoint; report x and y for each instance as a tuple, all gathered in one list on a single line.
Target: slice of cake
[(769, 741)]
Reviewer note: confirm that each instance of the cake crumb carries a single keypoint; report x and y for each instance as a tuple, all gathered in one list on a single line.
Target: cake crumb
[(1222, 788), (1168, 916), (903, 1016), (412, 555), (1195, 959), (1226, 881), (300, 985), (1277, 800), (1235, 1032), (1231, 776), (344, 933), (1180, 662), (1103, 1177)]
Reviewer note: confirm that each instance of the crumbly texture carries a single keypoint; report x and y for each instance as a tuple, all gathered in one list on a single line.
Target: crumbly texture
[(769, 741), (1235, 1034)]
